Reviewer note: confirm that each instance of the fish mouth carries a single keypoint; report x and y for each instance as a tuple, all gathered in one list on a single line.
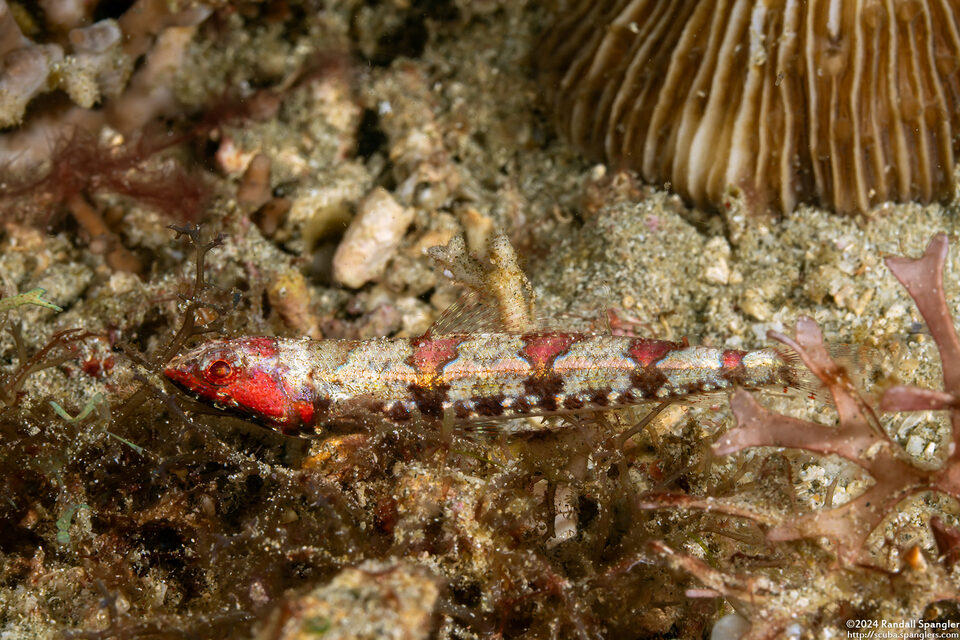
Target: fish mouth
[(184, 379), (179, 377)]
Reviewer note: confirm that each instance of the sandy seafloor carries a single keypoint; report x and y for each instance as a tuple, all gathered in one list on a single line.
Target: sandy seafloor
[(227, 534)]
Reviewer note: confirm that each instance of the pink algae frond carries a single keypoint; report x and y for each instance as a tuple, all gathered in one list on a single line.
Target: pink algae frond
[(80, 167), (923, 280), (858, 437)]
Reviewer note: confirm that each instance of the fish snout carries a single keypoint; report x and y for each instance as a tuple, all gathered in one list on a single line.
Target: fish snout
[(182, 371)]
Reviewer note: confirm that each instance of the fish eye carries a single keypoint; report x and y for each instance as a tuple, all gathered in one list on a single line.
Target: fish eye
[(219, 370)]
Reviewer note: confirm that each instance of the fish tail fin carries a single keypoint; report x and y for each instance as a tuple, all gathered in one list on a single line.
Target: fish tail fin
[(857, 363)]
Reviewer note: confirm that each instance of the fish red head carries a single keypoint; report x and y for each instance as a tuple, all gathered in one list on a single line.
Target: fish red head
[(244, 376)]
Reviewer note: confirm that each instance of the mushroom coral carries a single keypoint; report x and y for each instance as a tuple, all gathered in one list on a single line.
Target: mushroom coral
[(848, 104)]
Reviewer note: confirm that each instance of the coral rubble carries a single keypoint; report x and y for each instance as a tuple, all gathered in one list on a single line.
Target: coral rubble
[(289, 130)]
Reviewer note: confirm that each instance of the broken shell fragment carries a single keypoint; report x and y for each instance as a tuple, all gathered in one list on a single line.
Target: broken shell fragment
[(846, 104)]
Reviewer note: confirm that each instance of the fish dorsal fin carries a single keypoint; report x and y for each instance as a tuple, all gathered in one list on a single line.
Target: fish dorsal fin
[(500, 286), (457, 264), (474, 312), (471, 313)]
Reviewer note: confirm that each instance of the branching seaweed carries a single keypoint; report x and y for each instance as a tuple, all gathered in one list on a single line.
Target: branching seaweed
[(858, 437), (34, 297), (80, 168), (174, 504), (196, 302), (61, 347)]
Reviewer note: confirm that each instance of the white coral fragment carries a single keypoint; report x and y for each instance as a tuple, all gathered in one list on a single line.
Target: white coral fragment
[(25, 73), (98, 67), (371, 239)]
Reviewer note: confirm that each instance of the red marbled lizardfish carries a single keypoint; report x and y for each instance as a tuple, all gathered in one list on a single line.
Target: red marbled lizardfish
[(476, 364), (299, 386)]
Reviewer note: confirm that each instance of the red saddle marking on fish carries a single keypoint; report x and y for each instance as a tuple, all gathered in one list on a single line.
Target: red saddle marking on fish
[(430, 354), (541, 349), (732, 359), (646, 352)]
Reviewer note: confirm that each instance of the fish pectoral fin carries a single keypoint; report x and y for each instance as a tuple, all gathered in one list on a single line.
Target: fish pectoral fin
[(361, 412), (513, 427)]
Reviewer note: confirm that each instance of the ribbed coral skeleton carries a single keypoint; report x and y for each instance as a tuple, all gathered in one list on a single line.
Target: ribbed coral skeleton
[(849, 104)]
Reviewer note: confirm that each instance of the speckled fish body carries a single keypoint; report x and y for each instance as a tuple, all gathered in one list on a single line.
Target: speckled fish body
[(299, 386)]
